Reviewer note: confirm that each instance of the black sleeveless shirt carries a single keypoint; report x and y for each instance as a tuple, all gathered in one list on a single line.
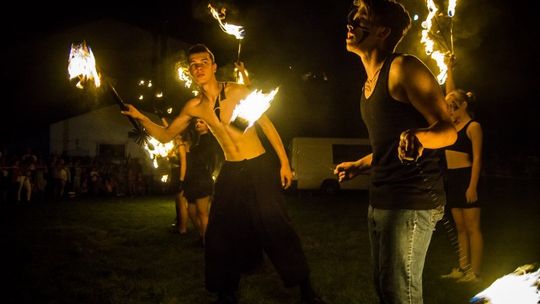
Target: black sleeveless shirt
[(463, 143), (395, 185)]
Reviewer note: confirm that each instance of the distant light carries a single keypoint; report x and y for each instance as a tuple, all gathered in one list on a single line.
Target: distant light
[(415, 17)]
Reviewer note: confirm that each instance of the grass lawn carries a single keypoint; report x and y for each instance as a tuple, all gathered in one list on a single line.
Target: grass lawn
[(122, 250)]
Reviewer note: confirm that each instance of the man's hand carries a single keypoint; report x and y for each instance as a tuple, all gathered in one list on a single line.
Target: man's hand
[(409, 147), (133, 112), (347, 170)]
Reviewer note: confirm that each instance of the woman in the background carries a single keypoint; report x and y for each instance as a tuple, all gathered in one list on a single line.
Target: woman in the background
[(464, 161), (178, 167), (203, 162)]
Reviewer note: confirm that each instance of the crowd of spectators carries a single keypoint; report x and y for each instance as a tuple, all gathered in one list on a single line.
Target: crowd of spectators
[(30, 176), (33, 177)]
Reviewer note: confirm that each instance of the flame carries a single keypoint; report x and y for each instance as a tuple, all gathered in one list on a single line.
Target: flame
[(82, 64), (164, 178), (157, 149), (429, 44), (253, 106), (517, 287), (451, 8), (241, 76), (231, 29), (185, 77)]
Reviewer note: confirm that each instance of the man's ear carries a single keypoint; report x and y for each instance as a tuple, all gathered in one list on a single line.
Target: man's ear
[(383, 32), (214, 67)]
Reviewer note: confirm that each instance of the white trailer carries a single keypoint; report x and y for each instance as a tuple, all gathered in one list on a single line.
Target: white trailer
[(313, 160)]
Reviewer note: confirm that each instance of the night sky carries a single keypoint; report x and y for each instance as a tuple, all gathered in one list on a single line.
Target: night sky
[(297, 45)]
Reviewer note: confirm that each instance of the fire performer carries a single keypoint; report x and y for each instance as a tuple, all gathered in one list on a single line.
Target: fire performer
[(403, 108), (247, 216), (464, 161)]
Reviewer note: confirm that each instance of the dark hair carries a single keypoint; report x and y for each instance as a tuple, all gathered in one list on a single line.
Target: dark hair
[(391, 14), (468, 97), (200, 48)]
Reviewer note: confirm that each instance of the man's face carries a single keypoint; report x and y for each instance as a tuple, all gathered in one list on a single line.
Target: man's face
[(358, 26), (201, 126), (454, 106), (201, 67)]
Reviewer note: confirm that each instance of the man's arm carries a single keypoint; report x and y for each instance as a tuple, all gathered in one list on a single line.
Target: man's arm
[(161, 133), (275, 140), (349, 170), (411, 81)]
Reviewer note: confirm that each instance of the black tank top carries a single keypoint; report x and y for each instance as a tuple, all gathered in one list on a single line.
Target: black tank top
[(396, 185), (219, 98), (463, 143)]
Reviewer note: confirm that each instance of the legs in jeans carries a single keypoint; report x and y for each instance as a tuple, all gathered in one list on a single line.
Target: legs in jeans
[(399, 242)]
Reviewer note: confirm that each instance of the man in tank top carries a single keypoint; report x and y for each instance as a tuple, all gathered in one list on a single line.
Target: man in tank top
[(404, 110)]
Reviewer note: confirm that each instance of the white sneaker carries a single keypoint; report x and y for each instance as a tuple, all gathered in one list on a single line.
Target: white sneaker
[(456, 273)]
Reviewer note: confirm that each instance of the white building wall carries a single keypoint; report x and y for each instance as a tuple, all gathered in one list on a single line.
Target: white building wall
[(81, 135)]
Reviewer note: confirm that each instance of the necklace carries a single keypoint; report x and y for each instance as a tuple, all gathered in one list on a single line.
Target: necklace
[(370, 83)]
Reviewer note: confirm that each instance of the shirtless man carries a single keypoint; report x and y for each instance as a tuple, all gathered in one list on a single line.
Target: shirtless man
[(247, 216)]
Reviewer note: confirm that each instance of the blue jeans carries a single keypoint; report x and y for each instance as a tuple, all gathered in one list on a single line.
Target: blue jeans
[(399, 243)]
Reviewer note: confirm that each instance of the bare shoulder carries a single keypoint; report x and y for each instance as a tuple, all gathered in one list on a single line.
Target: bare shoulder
[(406, 71), (193, 102), (474, 126), (407, 63)]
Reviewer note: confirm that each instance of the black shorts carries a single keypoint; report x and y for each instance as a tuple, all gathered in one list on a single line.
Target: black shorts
[(198, 186), (457, 182)]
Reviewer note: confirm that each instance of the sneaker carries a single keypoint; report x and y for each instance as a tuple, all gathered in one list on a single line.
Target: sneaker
[(456, 273), (469, 277)]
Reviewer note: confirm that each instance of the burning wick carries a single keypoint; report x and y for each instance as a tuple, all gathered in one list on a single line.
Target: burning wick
[(246, 113), (231, 29), (521, 286), (437, 51), (82, 64)]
